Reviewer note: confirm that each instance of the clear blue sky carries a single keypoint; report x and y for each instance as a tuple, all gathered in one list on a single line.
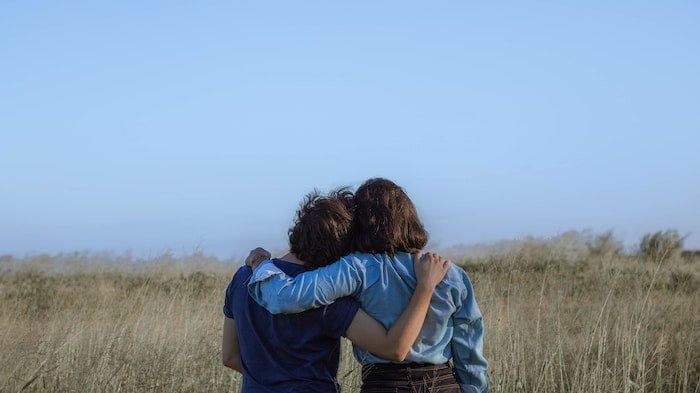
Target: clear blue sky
[(148, 125)]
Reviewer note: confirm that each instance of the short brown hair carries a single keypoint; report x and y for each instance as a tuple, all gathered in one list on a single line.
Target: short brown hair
[(385, 220), (322, 230)]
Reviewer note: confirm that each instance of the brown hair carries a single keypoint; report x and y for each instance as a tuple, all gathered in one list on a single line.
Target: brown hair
[(385, 220), (322, 230)]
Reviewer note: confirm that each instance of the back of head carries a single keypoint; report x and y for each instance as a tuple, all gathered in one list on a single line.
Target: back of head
[(322, 230), (385, 220)]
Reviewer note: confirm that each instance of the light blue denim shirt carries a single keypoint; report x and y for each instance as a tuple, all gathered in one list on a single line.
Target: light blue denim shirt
[(384, 284)]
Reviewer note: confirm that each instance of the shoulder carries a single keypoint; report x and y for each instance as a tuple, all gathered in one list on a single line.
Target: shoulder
[(243, 272), (457, 280), (457, 274), (358, 257), (356, 261), (241, 276), (368, 266), (235, 288), (362, 259)]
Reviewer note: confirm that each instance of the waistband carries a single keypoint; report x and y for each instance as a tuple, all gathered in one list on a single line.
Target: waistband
[(403, 366)]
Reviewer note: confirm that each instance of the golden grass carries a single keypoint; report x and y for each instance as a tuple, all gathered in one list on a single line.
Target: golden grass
[(553, 324)]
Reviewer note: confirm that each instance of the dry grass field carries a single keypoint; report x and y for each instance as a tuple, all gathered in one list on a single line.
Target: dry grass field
[(554, 323)]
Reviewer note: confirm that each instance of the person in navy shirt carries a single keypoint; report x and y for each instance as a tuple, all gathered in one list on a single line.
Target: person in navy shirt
[(301, 352)]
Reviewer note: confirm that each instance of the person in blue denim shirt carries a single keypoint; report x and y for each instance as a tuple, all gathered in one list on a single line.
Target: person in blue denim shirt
[(380, 275)]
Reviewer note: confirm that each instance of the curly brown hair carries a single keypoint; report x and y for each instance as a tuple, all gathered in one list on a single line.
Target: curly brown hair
[(322, 230), (385, 220)]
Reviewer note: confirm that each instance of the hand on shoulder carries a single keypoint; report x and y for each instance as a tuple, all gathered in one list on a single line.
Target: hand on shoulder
[(256, 256)]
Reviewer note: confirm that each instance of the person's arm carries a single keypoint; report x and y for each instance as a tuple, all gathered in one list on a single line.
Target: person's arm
[(230, 349), (395, 344), (271, 288), (468, 343)]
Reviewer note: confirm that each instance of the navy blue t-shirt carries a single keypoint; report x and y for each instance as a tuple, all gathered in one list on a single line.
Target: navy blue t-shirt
[(287, 352)]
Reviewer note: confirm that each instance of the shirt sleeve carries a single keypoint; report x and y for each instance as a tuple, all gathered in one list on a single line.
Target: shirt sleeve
[(238, 279), (228, 300), (339, 315), (279, 293), (468, 343)]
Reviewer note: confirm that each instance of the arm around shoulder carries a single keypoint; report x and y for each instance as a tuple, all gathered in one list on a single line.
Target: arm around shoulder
[(396, 343), (279, 293)]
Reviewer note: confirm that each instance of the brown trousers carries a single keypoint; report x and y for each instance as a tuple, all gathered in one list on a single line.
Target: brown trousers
[(408, 378)]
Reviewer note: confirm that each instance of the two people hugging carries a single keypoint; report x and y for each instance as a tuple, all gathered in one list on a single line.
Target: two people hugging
[(355, 269)]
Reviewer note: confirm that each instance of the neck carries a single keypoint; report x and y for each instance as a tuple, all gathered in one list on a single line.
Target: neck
[(290, 257)]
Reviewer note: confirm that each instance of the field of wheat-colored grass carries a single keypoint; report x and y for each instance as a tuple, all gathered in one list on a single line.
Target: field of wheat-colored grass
[(553, 324)]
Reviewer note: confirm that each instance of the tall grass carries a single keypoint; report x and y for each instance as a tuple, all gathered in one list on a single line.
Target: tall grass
[(554, 323)]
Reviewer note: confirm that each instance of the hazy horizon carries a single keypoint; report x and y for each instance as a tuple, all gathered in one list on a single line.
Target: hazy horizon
[(157, 125), (224, 248)]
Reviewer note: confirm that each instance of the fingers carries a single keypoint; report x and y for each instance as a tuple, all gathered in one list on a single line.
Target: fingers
[(432, 269), (261, 251), (439, 261), (256, 256), (433, 259), (428, 256)]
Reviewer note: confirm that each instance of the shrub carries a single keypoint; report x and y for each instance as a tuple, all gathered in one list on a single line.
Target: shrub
[(604, 244), (662, 244)]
